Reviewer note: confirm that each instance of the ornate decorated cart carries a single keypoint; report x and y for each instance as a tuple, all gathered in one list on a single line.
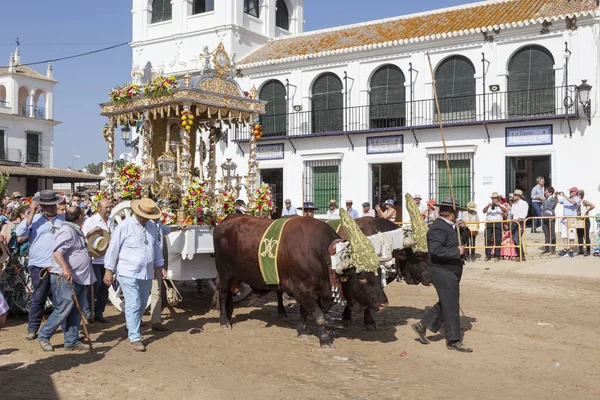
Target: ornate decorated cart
[(179, 123)]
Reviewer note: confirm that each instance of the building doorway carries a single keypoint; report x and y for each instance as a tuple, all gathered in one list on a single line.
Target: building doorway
[(387, 184), (522, 173), (274, 178)]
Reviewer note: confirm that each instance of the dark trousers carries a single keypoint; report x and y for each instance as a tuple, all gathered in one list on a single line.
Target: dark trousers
[(446, 310), (516, 236), (100, 292), (537, 212), (584, 235), (493, 237), (41, 291), (549, 228)]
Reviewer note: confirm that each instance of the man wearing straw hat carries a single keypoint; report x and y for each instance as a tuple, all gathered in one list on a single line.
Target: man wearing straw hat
[(445, 270), (70, 272), (99, 225), (40, 229), (135, 244)]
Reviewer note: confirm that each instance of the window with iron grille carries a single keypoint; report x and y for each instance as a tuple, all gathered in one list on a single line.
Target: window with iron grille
[(322, 182), (251, 7), (455, 85), (387, 98), (531, 83), (274, 122), (33, 148), (282, 16), (461, 170), (161, 10), (327, 104), (202, 6)]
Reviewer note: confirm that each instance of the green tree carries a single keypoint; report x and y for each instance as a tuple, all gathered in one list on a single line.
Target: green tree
[(95, 169)]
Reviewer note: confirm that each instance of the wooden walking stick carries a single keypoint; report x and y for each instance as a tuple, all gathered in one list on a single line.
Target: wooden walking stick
[(83, 321), (437, 105), (439, 114)]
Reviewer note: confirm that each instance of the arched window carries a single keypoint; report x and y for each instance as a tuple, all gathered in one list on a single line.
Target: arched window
[(455, 84), (327, 104), (387, 98), (251, 7), (3, 102), (39, 104), (531, 82), (282, 16), (161, 10), (202, 6), (274, 122), (24, 101)]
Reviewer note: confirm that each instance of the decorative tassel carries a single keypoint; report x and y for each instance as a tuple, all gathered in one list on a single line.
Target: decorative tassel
[(419, 227)]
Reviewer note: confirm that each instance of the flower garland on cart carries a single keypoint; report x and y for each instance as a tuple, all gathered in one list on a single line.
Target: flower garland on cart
[(197, 206), (159, 86), (128, 182), (262, 204)]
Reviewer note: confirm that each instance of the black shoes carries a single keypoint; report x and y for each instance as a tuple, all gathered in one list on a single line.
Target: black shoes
[(420, 330), (458, 346)]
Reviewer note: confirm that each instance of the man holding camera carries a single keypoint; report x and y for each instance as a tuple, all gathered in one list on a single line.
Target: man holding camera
[(494, 214)]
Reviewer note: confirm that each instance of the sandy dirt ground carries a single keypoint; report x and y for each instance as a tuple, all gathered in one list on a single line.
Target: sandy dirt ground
[(535, 336)]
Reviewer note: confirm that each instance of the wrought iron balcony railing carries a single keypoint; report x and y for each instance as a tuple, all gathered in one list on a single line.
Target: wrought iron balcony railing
[(418, 114), (4, 103), (38, 112)]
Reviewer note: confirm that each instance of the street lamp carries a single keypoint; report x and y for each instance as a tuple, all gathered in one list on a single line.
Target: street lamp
[(583, 92), (126, 135)]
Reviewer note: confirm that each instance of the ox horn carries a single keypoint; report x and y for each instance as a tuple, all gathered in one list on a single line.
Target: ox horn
[(409, 242), (419, 227)]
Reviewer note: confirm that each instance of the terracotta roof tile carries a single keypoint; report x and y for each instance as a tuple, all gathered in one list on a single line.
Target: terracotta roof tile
[(28, 72), (437, 24)]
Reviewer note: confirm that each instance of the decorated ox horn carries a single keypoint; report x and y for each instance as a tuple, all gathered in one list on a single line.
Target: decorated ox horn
[(362, 254), (419, 227)]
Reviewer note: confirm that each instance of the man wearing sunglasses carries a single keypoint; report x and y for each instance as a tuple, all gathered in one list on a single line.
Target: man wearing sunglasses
[(41, 224)]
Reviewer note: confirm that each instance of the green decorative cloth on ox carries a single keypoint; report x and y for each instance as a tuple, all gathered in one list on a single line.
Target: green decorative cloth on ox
[(362, 252), (267, 251), (335, 224)]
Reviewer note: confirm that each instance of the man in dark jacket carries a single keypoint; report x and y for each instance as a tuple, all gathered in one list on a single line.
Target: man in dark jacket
[(445, 270)]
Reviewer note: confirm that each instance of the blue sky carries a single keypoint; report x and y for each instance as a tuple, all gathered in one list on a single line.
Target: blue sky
[(52, 29)]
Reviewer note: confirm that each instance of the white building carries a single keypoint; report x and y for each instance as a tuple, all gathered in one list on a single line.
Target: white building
[(27, 129), (352, 108)]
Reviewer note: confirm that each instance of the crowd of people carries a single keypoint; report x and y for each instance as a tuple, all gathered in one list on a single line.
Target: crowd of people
[(61, 250)]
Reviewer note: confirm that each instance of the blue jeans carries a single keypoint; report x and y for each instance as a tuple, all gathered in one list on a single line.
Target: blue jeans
[(516, 237), (65, 311), (100, 293), (136, 292), (41, 290), (537, 212)]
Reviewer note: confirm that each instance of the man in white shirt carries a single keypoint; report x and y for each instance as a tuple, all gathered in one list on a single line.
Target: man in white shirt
[(288, 210), (520, 209), (99, 221), (333, 212), (367, 211), (422, 206), (570, 208), (135, 244)]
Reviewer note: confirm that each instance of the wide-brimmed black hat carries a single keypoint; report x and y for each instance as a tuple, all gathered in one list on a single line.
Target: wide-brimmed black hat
[(447, 202), (48, 198), (308, 205)]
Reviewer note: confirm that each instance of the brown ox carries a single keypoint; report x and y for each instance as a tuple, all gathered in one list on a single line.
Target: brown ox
[(304, 266), (411, 266)]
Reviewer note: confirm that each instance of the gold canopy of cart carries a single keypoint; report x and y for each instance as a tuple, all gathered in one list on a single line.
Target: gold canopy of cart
[(166, 111)]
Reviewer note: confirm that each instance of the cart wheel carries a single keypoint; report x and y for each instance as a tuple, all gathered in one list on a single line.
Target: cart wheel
[(245, 290), (115, 294)]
